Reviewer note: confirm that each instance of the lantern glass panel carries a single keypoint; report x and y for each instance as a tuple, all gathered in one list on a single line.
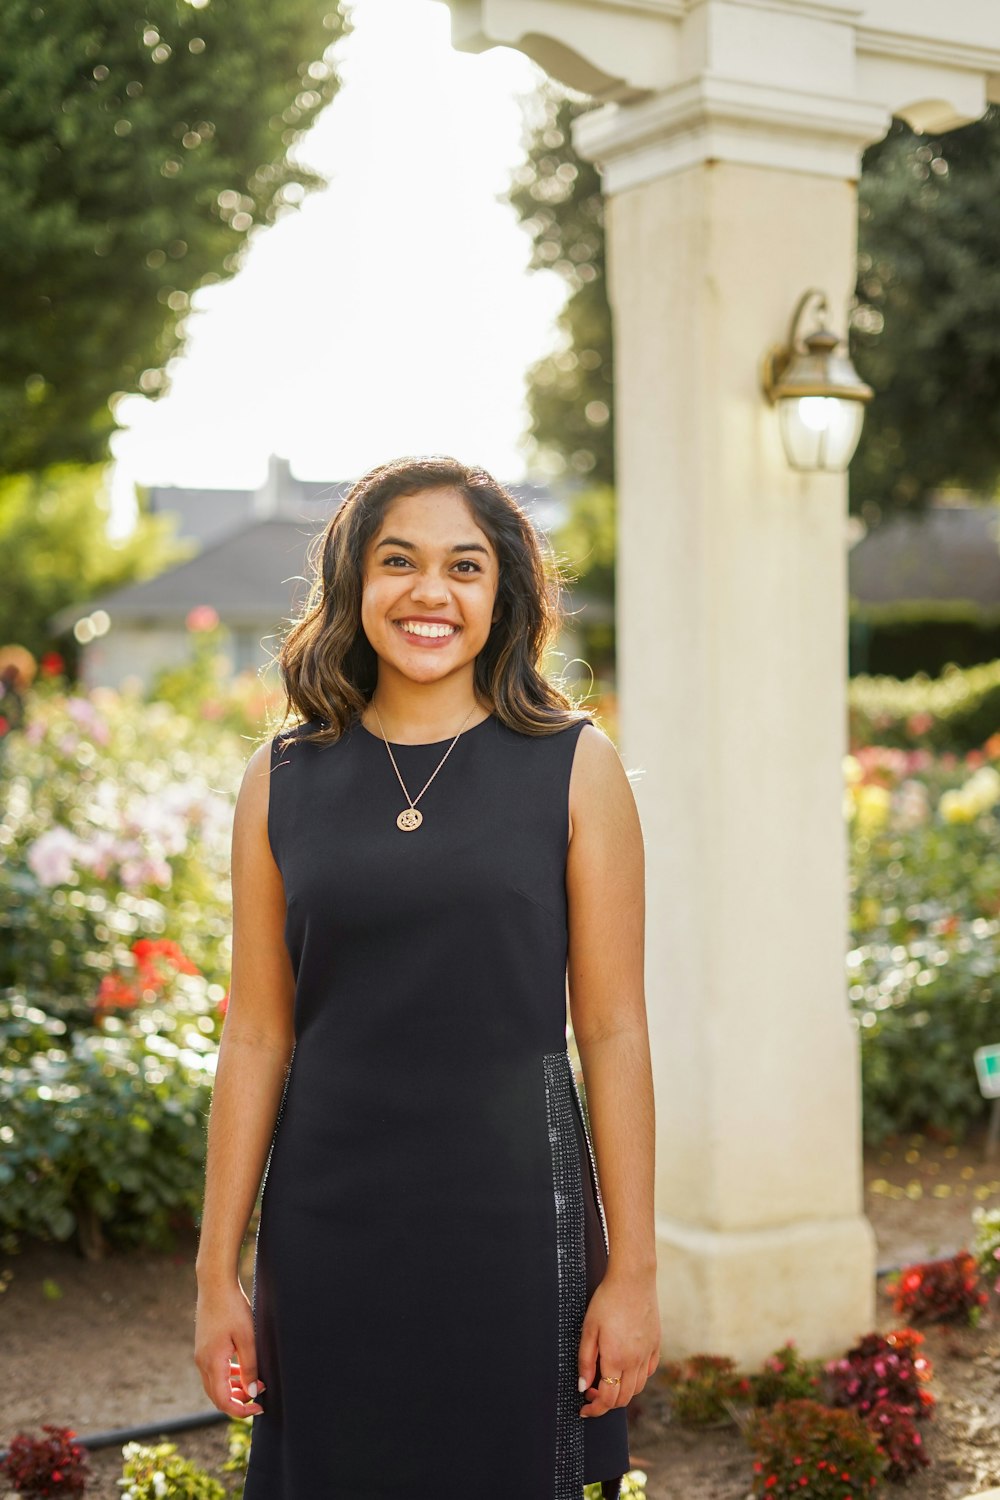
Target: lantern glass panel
[(820, 432)]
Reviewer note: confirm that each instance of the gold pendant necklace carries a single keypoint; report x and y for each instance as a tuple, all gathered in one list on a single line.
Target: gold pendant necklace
[(411, 817)]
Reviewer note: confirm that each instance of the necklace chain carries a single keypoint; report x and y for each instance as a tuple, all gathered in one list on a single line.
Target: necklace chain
[(411, 817)]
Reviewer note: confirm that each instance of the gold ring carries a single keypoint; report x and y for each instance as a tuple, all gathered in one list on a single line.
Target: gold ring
[(612, 1379)]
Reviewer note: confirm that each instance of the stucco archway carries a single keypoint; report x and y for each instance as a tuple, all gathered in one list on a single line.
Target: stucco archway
[(730, 144)]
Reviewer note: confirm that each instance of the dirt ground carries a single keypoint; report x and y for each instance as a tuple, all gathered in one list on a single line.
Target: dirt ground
[(107, 1345)]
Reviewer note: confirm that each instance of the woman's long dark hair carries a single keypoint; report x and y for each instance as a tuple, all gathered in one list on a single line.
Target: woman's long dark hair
[(327, 664)]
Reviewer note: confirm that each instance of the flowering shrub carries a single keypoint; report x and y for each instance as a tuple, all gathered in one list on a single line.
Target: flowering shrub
[(633, 1487), (700, 1386), (882, 1368), (115, 923), (155, 1473), (925, 921), (956, 710), (239, 1431), (103, 1131), (238, 1434), (204, 686), (940, 1291), (784, 1376), (801, 1447), (116, 826), (895, 1429), (986, 1242), (52, 1465)]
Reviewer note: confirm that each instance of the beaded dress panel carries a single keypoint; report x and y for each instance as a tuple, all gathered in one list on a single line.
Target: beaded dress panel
[(431, 1225)]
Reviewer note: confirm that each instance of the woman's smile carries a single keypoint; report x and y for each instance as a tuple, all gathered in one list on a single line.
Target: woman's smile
[(424, 633)]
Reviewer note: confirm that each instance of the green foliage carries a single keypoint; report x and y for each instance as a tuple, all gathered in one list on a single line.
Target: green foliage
[(139, 147), (833, 1451), (557, 196), (986, 1242), (586, 542), (956, 711), (784, 1376), (701, 1387), (633, 1487), (925, 925), (924, 1007), (160, 1473), (55, 524), (926, 329), (239, 1433), (114, 946), (103, 1135), (921, 635)]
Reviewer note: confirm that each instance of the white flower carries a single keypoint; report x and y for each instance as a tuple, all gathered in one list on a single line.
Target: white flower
[(51, 857), (911, 805)]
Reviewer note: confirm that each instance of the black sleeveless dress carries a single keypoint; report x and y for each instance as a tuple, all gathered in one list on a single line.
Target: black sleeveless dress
[(431, 1225)]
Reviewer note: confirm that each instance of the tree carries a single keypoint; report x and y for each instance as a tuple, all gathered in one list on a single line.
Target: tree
[(140, 144), (926, 329), (557, 196), (54, 548)]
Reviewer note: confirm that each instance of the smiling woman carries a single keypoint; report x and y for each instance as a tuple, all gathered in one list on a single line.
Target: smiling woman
[(448, 1299), (427, 541)]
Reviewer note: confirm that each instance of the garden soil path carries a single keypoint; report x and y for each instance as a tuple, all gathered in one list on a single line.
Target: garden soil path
[(99, 1345)]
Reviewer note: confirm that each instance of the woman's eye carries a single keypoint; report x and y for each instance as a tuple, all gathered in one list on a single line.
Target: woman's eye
[(398, 557)]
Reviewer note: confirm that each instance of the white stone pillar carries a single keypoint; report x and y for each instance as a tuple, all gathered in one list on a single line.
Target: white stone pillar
[(730, 164)]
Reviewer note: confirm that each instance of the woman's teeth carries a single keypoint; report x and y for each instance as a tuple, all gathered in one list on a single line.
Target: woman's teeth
[(415, 628)]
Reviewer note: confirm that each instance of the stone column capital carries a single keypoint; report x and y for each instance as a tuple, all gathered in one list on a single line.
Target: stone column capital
[(801, 85)]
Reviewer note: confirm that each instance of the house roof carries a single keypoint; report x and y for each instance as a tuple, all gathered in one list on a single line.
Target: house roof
[(252, 576), (948, 552)]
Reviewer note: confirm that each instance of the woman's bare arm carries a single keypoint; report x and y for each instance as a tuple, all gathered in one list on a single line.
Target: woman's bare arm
[(605, 885), (254, 1053)]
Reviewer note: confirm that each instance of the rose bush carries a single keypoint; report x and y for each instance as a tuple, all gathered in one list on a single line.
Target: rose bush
[(925, 930), (114, 958)]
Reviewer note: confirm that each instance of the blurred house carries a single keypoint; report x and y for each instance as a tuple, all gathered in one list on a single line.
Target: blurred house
[(925, 589), (250, 567)]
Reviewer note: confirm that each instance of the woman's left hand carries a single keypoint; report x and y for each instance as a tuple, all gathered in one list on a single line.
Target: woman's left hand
[(622, 1328)]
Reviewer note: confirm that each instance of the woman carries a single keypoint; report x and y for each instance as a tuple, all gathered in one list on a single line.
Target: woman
[(416, 865)]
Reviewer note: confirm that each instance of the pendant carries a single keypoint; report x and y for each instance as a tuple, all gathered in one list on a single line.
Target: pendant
[(409, 818)]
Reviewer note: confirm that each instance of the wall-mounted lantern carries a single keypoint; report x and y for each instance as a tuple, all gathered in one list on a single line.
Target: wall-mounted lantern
[(819, 395)]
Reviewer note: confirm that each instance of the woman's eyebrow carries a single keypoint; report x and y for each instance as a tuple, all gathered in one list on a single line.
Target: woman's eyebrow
[(397, 541)]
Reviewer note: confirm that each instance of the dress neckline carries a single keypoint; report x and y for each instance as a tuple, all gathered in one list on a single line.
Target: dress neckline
[(422, 744)]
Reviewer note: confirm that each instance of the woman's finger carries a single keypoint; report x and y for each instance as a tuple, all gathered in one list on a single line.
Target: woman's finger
[(236, 1400), (627, 1388), (587, 1355), (605, 1395)]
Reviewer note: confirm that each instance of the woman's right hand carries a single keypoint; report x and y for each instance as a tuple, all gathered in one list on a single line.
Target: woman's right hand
[(223, 1332)]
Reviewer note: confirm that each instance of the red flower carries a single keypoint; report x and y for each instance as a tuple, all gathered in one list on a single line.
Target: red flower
[(51, 664), (115, 993), (158, 960)]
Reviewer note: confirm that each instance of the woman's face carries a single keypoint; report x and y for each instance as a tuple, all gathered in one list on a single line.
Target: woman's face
[(429, 566)]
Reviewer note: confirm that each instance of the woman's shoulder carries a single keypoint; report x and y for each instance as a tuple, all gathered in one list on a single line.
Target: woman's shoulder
[(554, 730), (291, 734)]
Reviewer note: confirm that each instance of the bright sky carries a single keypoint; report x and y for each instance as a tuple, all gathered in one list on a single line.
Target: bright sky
[(392, 312)]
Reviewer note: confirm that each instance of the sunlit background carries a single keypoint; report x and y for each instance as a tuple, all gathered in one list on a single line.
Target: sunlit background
[(391, 312)]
